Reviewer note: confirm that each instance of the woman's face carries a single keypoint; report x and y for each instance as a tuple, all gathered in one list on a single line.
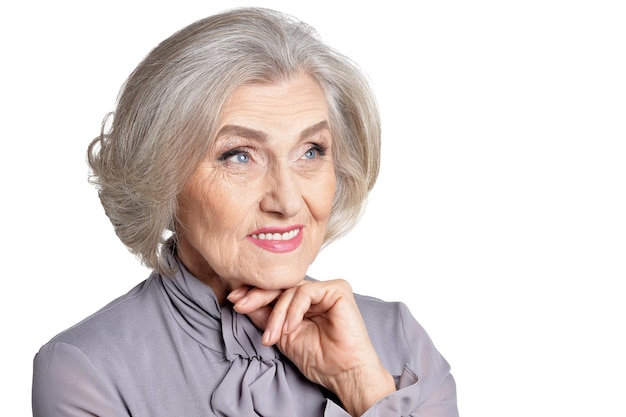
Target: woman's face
[(255, 210)]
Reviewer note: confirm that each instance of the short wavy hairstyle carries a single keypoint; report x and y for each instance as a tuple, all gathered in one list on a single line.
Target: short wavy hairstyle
[(168, 110)]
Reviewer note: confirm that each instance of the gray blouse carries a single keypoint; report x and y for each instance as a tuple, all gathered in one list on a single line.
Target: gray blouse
[(168, 349)]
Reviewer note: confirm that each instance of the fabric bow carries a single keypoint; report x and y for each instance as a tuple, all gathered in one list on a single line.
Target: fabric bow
[(260, 381)]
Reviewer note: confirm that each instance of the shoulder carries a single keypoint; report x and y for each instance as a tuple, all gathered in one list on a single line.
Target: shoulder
[(115, 321), (65, 381), (387, 317), (71, 371), (398, 337)]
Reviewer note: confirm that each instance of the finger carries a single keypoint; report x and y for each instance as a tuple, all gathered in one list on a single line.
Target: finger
[(238, 293), (254, 299), (276, 320), (260, 317), (300, 305), (319, 297)]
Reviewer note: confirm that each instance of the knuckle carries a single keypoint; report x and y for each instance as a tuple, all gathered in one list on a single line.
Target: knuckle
[(342, 285)]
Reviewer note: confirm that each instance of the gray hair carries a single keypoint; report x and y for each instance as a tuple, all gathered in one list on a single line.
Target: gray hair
[(168, 111)]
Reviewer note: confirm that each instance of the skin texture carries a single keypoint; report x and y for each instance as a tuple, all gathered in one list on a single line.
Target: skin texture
[(270, 169), (286, 183)]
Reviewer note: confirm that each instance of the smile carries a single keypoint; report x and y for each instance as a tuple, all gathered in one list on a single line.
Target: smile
[(277, 240), (277, 236)]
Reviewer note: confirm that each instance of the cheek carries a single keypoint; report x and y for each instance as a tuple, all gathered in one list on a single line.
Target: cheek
[(195, 211), (322, 194), (214, 215)]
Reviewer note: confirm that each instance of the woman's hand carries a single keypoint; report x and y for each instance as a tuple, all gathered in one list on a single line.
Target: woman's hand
[(318, 326)]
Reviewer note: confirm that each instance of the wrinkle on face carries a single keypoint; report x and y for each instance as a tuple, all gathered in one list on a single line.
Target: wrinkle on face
[(287, 181)]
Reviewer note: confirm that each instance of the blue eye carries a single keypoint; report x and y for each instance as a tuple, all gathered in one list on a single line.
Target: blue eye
[(314, 152), (241, 158), (237, 156)]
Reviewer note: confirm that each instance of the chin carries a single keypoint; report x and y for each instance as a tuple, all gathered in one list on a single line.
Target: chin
[(278, 279)]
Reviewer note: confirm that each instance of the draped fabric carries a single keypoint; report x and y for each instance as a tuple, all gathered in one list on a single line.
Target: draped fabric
[(259, 381), (167, 348)]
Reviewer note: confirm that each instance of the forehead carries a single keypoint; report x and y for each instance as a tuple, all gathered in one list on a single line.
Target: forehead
[(298, 102)]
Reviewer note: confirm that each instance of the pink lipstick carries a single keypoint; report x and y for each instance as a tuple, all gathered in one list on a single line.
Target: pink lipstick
[(277, 239)]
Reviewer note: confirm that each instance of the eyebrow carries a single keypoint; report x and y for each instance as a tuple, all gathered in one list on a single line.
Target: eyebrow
[(312, 130), (259, 135), (245, 132)]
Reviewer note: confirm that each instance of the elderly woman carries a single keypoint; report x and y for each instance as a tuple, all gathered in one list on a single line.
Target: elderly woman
[(239, 146)]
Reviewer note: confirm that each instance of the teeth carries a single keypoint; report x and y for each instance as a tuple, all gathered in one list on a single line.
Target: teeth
[(277, 236)]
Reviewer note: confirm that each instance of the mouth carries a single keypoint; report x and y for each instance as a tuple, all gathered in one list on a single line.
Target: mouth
[(277, 236), (277, 240)]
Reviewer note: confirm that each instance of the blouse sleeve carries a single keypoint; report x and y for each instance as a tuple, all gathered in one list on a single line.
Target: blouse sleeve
[(425, 388), (66, 384)]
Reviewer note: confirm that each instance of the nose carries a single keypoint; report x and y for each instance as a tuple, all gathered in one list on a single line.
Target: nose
[(283, 196)]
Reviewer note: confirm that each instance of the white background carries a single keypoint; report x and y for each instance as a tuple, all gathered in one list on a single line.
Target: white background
[(498, 217)]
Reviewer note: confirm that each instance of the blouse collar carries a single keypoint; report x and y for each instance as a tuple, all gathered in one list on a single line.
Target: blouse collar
[(259, 380), (219, 328)]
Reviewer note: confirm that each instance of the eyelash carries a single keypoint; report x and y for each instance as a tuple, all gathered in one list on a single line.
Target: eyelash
[(320, 149), (230, 153)]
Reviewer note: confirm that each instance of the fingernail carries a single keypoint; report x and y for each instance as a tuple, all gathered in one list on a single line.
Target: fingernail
[(237, 305), (266, 337), (234, 293)]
